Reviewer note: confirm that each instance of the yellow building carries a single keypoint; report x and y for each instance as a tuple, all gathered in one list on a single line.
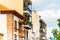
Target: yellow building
[(15, 19)]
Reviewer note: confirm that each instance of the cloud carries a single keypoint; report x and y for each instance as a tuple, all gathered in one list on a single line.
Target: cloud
[(37, 3), (50, 16), (51, 6), (52, 13)]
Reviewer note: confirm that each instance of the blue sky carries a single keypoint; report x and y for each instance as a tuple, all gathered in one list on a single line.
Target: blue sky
[(49, 10)]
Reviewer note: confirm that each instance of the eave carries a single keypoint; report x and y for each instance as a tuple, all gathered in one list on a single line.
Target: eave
[(12, 12)]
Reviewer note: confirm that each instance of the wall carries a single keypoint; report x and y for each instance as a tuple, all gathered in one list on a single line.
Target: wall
[(9, 26), (3, 24), (30, 35), (36, 24), (13, 5)]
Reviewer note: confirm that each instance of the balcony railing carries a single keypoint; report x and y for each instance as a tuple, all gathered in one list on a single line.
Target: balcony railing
[(41, 27), (27, 21), (27, 2), (26, 8), (27, 17), (28, 25), (42, 35)]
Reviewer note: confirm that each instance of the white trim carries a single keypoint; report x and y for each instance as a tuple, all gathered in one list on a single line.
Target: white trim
[(3, 25)]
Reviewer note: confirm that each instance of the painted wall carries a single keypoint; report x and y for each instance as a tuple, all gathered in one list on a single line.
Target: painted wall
[(30, 35), (3, 24), (36, 24), (13, 5)]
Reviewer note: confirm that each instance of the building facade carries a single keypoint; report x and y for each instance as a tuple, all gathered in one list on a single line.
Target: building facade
[(18, 21), (15, 19), (28, 17), (42, 30), (9, 25), (36, 25)]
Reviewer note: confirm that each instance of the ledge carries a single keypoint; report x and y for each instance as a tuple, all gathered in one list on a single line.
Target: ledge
[(12, 12)]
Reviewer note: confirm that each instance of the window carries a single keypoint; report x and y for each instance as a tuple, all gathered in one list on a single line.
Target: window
[(20, 26), (15, 30), (21, 33), (15, 26)]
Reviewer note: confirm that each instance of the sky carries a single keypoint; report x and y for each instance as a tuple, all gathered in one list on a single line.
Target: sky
[(49, 10)]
